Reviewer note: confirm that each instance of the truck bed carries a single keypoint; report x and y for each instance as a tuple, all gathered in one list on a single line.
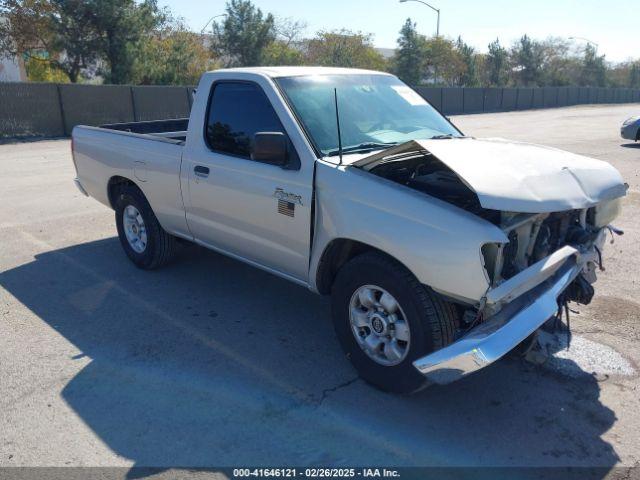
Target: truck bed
[(173, 129)]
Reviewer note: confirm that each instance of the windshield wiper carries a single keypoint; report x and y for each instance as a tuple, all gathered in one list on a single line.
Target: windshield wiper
[(362, 147), (445, 136)]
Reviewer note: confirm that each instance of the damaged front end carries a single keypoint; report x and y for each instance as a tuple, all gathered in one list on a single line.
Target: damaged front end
[(537, 238), (555, 213)]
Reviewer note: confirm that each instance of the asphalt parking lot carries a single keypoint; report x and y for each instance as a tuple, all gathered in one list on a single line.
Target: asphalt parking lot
[(209, 362)]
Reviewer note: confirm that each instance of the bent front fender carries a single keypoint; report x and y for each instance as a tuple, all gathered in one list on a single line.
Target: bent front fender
[(439, 243)]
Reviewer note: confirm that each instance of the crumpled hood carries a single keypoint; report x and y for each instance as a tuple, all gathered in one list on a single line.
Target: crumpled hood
[(518, 177)]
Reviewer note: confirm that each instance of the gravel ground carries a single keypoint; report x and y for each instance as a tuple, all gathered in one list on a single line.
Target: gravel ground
[(210, 362), (582, 356)]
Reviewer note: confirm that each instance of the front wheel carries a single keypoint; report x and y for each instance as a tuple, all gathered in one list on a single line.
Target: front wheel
[(144, 241), (385, 320)]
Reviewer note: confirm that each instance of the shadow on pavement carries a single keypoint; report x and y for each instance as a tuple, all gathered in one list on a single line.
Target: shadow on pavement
[(209, 362), (12, 140), (631, 145)]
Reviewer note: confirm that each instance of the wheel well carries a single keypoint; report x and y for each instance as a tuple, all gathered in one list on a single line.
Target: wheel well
[(115, 183), (335, 255)]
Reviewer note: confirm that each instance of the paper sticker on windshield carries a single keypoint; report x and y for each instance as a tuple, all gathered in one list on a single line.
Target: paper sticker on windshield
[(409, 95)]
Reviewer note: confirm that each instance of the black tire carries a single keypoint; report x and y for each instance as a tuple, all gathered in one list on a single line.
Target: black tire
[(432, 321), (160, 247)]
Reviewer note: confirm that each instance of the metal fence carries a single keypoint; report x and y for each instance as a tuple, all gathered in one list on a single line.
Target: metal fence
[(451, 101), (52, 110)]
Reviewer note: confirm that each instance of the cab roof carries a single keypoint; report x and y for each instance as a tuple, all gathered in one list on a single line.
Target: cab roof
[(275, 72)]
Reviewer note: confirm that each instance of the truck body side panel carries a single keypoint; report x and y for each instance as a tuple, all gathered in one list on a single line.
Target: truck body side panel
[(152, 164)]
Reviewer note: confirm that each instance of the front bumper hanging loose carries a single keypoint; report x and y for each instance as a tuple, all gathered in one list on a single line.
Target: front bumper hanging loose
[(527, 300)]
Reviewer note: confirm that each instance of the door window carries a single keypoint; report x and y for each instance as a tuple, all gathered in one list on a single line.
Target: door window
[(236, 112)]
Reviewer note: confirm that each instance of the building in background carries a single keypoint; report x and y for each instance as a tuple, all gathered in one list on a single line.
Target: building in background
[(11, 69)]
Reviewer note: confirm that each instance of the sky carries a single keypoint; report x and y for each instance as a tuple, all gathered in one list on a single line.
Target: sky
[(614, 26)]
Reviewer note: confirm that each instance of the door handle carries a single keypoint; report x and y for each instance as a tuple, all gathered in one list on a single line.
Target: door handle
[(201, 171)]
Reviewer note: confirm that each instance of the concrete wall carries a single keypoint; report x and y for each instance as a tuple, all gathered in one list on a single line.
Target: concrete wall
[(50, 110)]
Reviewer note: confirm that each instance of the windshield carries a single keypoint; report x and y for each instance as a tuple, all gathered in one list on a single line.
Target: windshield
[(376, 111)]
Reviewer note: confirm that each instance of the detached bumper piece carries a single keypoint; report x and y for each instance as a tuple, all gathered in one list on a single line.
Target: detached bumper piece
[(528, 300)]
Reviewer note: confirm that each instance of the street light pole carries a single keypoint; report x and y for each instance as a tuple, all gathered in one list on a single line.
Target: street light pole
[(437, 10), (585, 39), (209, 21)]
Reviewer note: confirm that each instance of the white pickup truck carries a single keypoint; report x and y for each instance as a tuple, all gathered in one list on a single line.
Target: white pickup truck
[(441, 252)]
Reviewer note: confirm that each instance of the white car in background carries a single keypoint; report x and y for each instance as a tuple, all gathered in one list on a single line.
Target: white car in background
[(630, 129)]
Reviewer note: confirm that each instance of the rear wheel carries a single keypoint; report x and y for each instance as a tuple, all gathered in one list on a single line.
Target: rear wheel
[(144, 241), (385, 319)]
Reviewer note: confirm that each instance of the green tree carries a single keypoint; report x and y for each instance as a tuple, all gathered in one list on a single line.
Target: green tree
[(279, 53), (409, 60), (497, 64), (469, 74), (121, 25), (72, 35), (443, 60), (245, 33), (56, 33), (527, 60), (171, 56), (287, 48), (559, 67), (289, 30), (39, 69), (594, 68), (343, 48), (634, 75)]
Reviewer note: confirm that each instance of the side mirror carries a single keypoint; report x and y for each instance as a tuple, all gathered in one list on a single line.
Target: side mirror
[(270, 147)]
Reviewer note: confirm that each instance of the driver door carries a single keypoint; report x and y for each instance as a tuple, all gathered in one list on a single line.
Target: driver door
[(253, 210)]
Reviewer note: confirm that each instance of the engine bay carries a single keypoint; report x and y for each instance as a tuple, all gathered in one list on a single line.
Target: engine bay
[(425, 173), (535, 237), (532, 237)]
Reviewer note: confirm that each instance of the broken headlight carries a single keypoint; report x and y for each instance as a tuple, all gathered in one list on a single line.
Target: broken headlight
[(605, 212)]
